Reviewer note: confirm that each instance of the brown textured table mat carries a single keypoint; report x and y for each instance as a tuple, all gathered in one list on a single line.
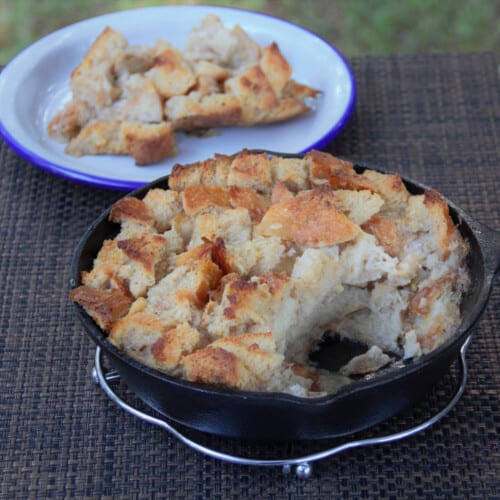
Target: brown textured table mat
[(435, 118)]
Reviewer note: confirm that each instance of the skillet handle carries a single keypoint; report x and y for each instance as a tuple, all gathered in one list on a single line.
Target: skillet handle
[(489, 240), (495, 250)]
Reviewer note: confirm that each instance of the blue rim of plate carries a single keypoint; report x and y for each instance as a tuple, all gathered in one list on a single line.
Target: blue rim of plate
[(123, 184)]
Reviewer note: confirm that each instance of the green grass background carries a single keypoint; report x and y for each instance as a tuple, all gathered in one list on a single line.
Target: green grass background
[(355, 27)]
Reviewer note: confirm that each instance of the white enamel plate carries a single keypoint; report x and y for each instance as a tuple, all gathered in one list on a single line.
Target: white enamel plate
[(35, 85)]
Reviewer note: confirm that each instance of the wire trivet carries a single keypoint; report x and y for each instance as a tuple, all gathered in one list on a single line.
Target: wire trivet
[(302, 464)]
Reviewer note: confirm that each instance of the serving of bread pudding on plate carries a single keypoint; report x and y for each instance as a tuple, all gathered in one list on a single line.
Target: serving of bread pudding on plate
[(232, 276), (131, 99)]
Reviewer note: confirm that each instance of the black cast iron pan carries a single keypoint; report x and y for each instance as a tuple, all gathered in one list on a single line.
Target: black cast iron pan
[(273, 416)]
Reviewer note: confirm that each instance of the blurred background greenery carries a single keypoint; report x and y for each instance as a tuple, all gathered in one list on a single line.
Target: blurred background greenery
[(355, 27)]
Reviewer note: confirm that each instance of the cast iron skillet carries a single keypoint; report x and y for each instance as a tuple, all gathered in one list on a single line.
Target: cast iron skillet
[(273, 416)]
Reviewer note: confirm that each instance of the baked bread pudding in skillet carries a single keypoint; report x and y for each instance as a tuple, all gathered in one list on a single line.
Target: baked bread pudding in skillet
[(233, 275)]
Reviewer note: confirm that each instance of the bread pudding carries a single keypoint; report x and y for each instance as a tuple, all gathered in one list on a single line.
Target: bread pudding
[(131, 99), (236, 273)]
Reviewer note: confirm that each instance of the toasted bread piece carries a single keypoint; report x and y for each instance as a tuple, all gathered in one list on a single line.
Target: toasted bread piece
[(147, 251), (213, 250), (281, 193), (433, 311), (387, 234), (429, 213), (259, 256), (322, 166), (213, 42), (183, 176), (275, 67), (98, 137), (105, 307), (338, 173), (148, 339), (359, 206), (251, 170), (92, 81), (164, 205), (244, 361), (146, 142), (371, 361), (68, 123), (180, 296), (178, 342), (134, 59), (198, 199), (255, 203), (138, 102), (286, 109), (291, 220), (255, 94), (197, 111), (133, 264), (210, 77), (259, 93), (293, 172), (170, 73), (392, 190), (250, 306), (214, 365), (213, 171), (234, 226), (132, 210), (298, 91)]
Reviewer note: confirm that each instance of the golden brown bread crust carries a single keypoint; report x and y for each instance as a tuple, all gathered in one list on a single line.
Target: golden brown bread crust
[(105, 307), (68, 124), (194, 111), (214, 365), (92, 81), (255, 93), (196, 199), (129, 100), (234, 274), (170, 73), (143, 250), (251, 171), (146, 142), (169, 350), (310, 219), (385, 230), (440, 219), (322, 165), (208, 275), (132, 264), (256, 204), (243, 361), (275, 67), (133, 209), (212, 41), (280, 193)]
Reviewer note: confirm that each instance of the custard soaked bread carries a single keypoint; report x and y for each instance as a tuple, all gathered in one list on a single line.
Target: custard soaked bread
[(234, 274), (130, 100)]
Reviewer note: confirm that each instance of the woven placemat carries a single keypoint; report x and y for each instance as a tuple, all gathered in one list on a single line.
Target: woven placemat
[(435, 118)]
